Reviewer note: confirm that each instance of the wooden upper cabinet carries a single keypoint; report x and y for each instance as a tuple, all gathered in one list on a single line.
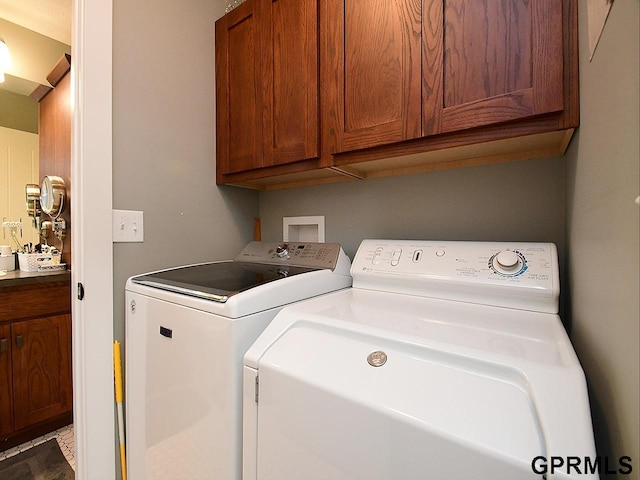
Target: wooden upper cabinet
[(312, 91), (371, 72), (238, 96), (267, 85), (490, 62), (290, 76), (400, 70)]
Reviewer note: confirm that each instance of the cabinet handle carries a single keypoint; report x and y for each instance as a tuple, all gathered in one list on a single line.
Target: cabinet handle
[(4, 345), (19, 341)]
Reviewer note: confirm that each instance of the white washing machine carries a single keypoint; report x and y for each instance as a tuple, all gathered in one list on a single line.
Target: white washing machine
[(446, 360), (186, 332)]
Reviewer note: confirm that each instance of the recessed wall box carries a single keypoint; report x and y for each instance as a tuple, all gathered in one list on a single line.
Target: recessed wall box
[(303, 229)]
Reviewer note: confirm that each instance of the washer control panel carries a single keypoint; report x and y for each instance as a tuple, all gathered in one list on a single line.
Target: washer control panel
[(516, 274), (298, 254)]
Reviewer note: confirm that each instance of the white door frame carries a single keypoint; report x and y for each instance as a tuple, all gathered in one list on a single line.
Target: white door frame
[(92, 248)]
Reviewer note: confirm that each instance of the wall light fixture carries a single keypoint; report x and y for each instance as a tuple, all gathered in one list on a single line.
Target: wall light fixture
[(5, 59)]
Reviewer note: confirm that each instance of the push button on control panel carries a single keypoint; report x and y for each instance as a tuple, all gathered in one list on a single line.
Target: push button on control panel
[(376, 255), (395, 257)]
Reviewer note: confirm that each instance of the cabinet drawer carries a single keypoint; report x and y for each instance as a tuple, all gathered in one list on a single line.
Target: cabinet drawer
[(34, 300)]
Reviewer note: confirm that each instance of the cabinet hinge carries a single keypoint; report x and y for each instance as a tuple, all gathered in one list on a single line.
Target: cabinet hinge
[(80, 291), (257, 389)]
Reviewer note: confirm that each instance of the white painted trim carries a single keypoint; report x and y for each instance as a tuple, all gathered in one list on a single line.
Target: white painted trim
[(92, 250)]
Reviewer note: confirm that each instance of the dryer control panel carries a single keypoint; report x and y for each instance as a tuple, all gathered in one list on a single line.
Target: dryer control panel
[(516, 275)]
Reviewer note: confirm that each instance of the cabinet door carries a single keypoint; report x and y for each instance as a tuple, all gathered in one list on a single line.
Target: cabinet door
[(490, 62), (6, 385), (238, 96), (41, 369), (371, 72), (290, 76)]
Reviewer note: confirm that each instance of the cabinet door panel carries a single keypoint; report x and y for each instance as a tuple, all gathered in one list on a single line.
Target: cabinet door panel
[(373, 72), (502, 60), (42, 369), (290, 80), (488, 47), (238, 104), (6, 381)]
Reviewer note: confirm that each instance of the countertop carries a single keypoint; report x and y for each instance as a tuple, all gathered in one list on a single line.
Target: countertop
[(19, 277)]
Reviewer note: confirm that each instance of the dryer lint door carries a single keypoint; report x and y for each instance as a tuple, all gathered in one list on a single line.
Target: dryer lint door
[(325, 411)]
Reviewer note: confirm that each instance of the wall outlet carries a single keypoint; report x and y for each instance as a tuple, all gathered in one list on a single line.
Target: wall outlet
[(303, 229), (128, 226)]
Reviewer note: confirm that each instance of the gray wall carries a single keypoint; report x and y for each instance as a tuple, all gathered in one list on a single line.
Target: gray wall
[(603, 180), (511, 201), (164, 141)]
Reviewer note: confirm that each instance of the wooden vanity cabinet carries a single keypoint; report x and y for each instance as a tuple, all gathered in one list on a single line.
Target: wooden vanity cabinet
[(267, 89), (35, 360), (41, 369), (6, 382)]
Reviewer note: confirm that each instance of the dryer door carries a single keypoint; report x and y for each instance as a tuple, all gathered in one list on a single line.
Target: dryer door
[(327, 409)]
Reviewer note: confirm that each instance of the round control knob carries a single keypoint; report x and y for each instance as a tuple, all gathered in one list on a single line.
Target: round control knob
[(282, 250), (508, 263), (507, 259)]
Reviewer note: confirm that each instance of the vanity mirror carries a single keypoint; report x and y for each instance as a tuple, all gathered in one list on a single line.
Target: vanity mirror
[(32, 197), (52, 201), (52, 196)]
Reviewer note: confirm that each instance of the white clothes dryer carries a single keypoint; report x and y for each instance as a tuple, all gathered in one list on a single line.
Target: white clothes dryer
[(446, 360), (187, 330)]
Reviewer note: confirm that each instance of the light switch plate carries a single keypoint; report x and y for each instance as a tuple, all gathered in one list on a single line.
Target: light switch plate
[(303, 229), (128, 226)]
